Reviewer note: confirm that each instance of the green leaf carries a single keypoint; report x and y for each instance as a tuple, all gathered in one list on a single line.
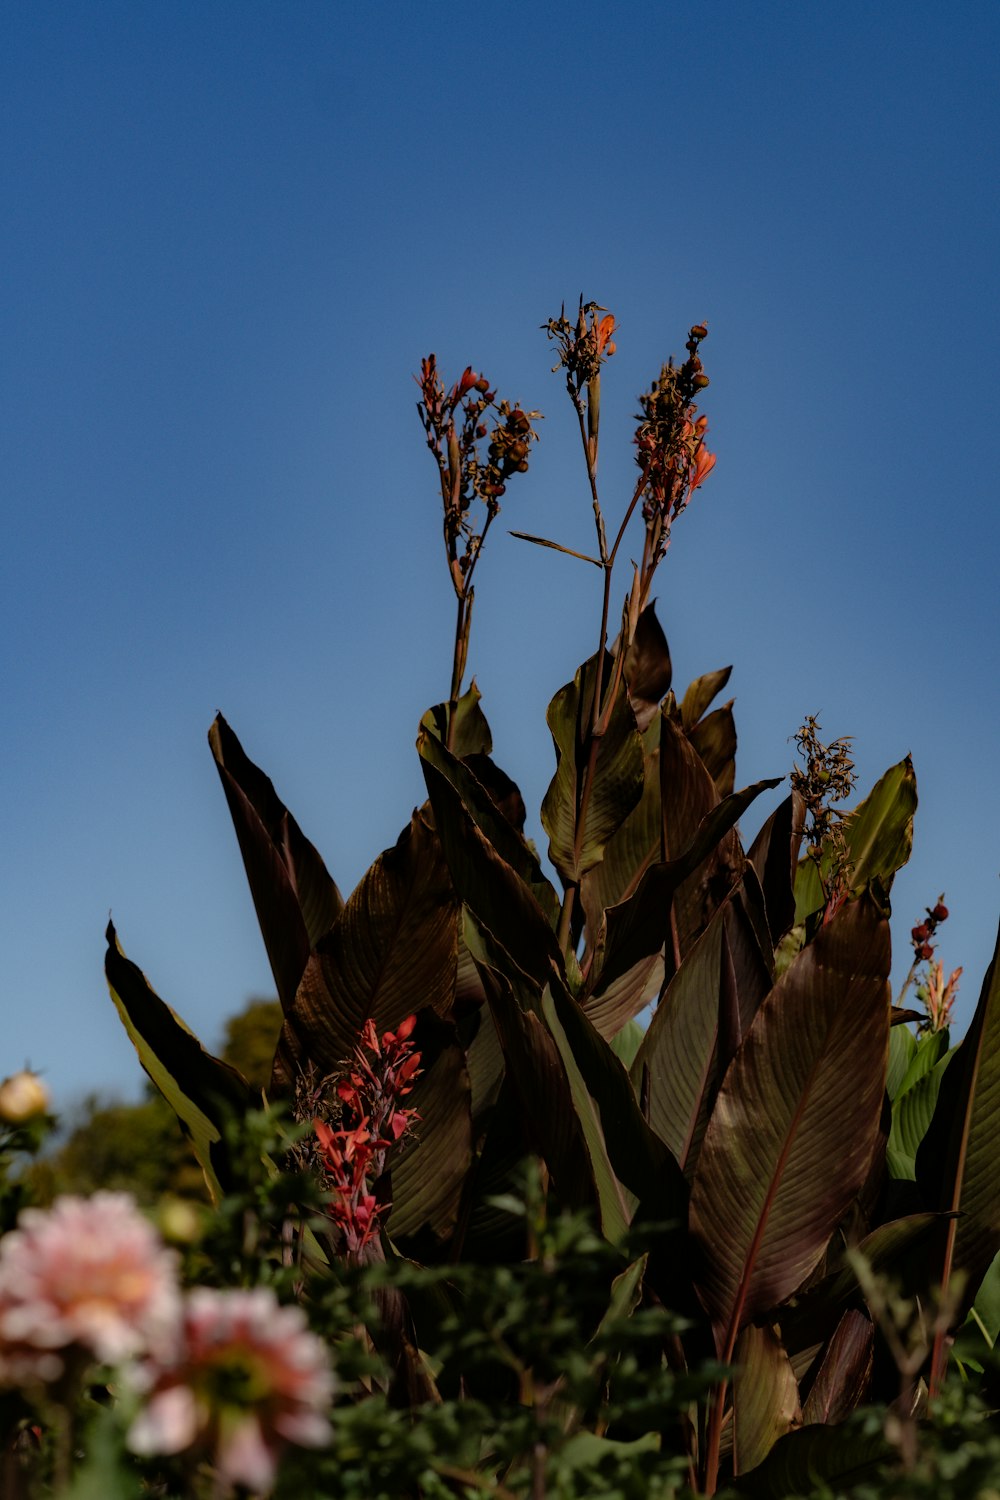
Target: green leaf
[(616, 784), (392, 951), (902, 1050), (879, 836), (790, 1139), (472, 733), (700, 694), (626, 1042), (913, 1108), (765, 1396), (295, 899), (202, 1090)]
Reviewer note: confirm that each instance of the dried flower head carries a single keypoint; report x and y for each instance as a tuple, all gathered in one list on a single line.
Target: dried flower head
[(475, 460), (670, 443), (583, 346), (88, 1274), (245, 1378)]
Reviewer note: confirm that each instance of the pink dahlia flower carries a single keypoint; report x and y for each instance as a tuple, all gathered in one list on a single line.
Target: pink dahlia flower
[(89, 1274), (248, 1378)]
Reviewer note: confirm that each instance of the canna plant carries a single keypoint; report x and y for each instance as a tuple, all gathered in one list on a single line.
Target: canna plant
[(772, 1145)]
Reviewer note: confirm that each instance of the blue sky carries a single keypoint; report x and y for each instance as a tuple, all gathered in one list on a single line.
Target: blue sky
[(231, 232)]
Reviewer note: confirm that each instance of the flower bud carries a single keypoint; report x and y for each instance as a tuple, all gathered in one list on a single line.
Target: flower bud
[(517, 451), (23, 1097), (920, 934), (699, 331), (927, 951), (700, 382), (940, 912), (518, 421), (482, 385)]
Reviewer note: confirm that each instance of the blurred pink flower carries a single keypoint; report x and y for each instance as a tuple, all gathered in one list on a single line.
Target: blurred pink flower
[(88, 1273), (248, 1377)]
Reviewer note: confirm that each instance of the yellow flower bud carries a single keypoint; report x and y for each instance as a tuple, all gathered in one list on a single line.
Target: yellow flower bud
[(23, 1097)]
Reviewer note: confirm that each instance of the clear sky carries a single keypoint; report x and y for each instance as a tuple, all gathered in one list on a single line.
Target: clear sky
[(230, 232)]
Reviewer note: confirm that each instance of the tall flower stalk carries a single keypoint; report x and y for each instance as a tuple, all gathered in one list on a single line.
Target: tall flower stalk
[(456, 423)]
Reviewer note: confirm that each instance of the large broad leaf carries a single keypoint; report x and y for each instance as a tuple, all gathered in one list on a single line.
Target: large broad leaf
[(471, 735), (578, 827), (631, 851), (429, 1172), (392, 951), (201, 1089), (647, 667), (913, 1106), (774, 854), (834, 1457), (534, 1070), (483, 803), (765, 1396), (791, 1136), (714, 738), (295, 899), (613, 1123), (677, 1067), (957, 1164), (495, 890), (879, 836), (640, 925), (700, 694), (843, 1374)]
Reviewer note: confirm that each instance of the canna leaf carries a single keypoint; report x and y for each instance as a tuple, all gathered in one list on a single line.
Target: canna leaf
[(647, 668), (791, 1136), (714, 738), (616, 784), (295, 899), (202, 1090), (774, 855), (624, 1150), (482, 793), (843, 1375), (535, 1073), (631, 850), (429, 1171), (640, 925), (472, 733), (765, 1396), (504, 896), (957, 1164), (832, 1457), (700, 694), (678, 1059), (392, 951)]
